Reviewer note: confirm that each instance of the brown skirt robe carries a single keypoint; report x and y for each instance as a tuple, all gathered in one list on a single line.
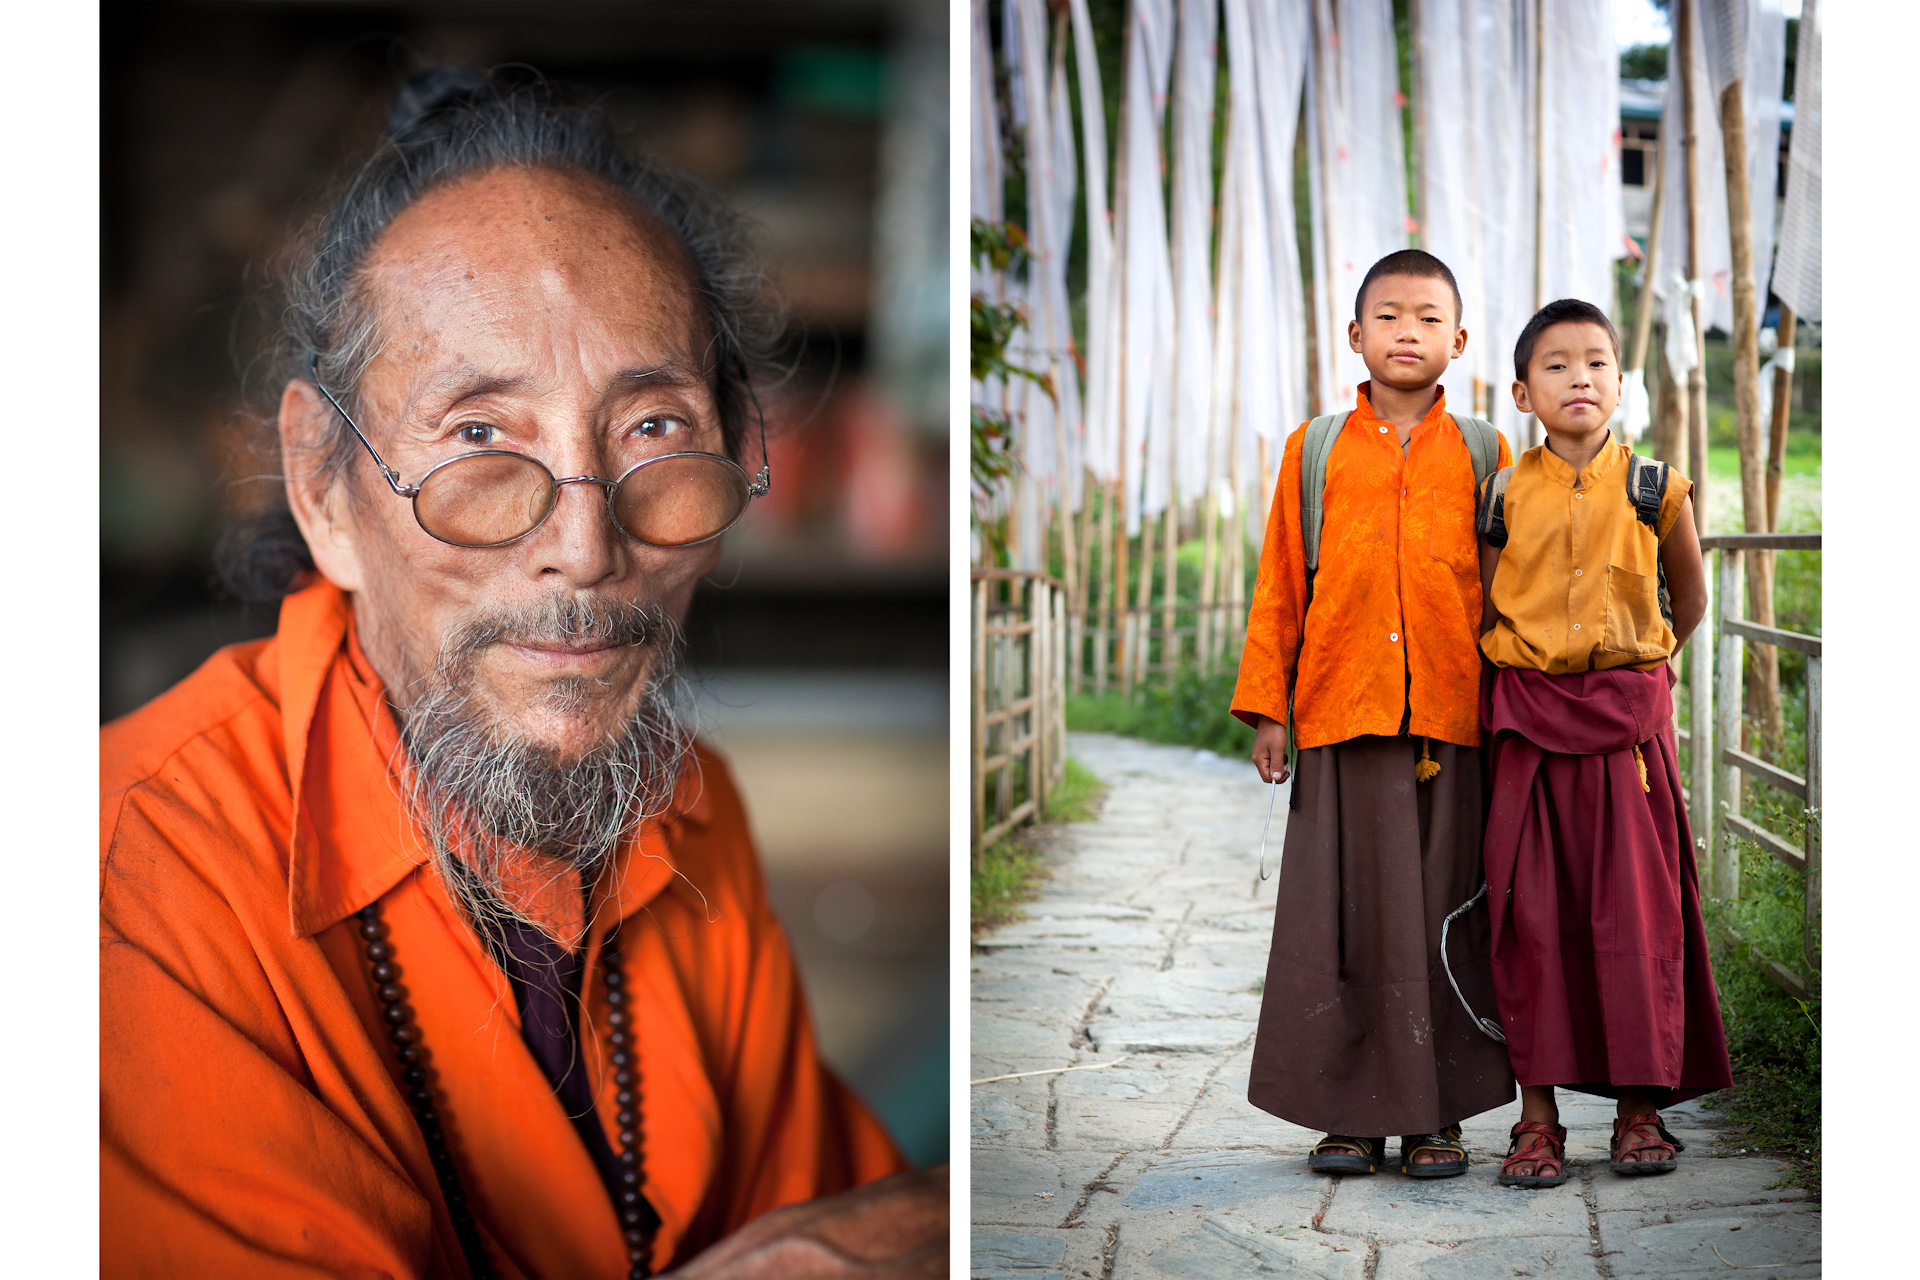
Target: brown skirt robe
[(1359, 1031)]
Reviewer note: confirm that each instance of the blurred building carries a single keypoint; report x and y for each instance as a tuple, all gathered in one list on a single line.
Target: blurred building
[(820, 644), (1642, 103)]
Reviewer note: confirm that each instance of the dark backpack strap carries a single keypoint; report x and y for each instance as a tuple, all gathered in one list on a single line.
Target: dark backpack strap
[(1490, 520), (1647, 488)]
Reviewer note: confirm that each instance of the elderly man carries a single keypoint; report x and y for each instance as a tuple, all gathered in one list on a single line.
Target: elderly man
[(431, 944)]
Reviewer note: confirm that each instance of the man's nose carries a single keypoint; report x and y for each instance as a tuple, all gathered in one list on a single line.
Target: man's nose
[(579, 540)]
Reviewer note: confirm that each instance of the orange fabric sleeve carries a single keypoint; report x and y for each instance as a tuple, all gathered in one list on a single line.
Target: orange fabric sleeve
[(191, 1028), (1279, 607)]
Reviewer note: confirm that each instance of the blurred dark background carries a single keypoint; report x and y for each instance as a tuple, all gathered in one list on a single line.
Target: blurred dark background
[(820, 645)]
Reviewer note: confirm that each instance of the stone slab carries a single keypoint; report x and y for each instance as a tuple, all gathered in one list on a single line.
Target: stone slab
[(1020, 1187), (1280, 1192), (1221, 1246), (1760, 1241), (1183, 993), (1104, 935), (1017, 1255), (1697, 1181), (1542, 1257), (1132, 1107), (1387, 1206), (1173, 1035)]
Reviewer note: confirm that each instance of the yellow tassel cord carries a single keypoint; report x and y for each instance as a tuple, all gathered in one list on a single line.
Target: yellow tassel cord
[(1640, 763), (1426, 770)]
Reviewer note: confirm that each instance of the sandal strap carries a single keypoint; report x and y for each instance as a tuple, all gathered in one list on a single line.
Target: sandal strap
[(1638, 1127), (1368, 1147), (1447, 1140), (1549, 1146)]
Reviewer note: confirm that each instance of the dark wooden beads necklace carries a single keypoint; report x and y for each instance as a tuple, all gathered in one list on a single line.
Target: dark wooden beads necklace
[(637, 1221)]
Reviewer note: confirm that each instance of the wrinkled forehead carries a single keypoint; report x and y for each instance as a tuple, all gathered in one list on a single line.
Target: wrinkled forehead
[(537, 267)]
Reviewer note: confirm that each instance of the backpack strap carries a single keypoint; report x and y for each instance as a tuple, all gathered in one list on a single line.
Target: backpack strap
[(1490, 520), (1314, 451), (1483, 443), (1647, 488)]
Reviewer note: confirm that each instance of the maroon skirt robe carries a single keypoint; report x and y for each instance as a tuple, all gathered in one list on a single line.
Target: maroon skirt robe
[(1599, 949)]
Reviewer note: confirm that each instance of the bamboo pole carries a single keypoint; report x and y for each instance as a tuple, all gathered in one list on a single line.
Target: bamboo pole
[(1169, 599), (1690, 153), (1417, 84), (1077, 611), (1763, 677), (1649, 277), (1726, 731), (1777, 440), (1143, 641), (979, 665), (1203, 627)]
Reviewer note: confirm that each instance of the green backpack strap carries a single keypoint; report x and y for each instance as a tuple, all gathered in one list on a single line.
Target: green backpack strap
[(1483, 443), (1314, 452)]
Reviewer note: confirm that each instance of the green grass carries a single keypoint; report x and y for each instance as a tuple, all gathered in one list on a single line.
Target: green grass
[(1802, 459), (1077, 796), (1007, 875), (1192, 711), (1012, 871)]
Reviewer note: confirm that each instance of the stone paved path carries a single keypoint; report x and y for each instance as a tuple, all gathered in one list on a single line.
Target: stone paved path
[(1147, 950)]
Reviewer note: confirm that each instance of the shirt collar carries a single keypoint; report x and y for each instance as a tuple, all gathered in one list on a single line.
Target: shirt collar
[(1597, 469), (1436, 413), (352, 839)]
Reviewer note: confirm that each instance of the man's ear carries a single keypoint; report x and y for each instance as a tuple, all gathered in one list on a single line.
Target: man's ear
[(1353, 335), (1459, 341), (1521, 400), (319, 506)]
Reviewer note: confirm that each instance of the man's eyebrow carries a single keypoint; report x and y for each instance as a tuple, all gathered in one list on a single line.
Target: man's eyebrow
[(670, 373)]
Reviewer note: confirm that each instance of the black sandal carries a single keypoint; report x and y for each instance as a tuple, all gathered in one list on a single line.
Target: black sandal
[(1363, 1158), (1447, 1142)]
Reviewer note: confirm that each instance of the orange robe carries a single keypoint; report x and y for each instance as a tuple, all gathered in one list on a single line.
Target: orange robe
[(1394, 631), (251, 1119)]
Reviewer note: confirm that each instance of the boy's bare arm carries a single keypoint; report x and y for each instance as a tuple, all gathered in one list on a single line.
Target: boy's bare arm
[(1686, 574), (1489, 561)]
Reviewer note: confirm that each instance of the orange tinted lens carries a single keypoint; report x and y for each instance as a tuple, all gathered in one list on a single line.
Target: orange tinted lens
[(680, 499), (484, 500)]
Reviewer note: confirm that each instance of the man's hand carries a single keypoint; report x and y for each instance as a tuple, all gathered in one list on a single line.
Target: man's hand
[(1270, 750), (896, 1227)]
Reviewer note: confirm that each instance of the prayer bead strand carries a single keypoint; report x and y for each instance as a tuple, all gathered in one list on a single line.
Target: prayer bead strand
[(412, 1053), (637, 1218)]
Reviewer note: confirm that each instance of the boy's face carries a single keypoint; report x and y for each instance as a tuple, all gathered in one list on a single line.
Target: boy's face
[(1407, 332), (1573, 379)]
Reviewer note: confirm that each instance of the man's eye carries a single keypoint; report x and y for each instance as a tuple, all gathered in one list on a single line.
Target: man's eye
[(478, 433), (661, 425)]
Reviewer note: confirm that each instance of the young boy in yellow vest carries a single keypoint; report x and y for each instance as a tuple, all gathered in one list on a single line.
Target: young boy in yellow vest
[(1360, 642), (1593, 579)]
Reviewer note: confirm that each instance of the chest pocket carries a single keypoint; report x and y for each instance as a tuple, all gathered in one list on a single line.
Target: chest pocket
[(1635, 626)]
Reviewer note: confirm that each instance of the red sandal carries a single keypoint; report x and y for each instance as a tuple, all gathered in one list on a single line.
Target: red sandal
[(1646, 1133), (1545, 1144)]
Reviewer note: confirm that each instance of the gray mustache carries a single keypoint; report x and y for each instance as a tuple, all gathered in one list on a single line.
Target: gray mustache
[(568, 620)]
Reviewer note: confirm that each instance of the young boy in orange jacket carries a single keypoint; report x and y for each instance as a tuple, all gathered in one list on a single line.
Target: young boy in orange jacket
[(1599, 951), (1361, 643)]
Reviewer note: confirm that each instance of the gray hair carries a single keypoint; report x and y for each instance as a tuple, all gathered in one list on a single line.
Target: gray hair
[(445, 124)]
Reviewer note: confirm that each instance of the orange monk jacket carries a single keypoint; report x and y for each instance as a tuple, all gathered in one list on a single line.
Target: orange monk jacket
[(251, 1122), (1393, 632)]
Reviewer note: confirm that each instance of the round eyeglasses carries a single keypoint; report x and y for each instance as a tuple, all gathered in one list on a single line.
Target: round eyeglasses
[(493, 497)]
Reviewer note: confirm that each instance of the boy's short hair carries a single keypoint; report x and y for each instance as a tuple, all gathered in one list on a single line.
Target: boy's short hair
[(1408, 262), (1559, 312)]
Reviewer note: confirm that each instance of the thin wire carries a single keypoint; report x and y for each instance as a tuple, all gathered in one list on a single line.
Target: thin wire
[(1486, 1025), (1272, 792)]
